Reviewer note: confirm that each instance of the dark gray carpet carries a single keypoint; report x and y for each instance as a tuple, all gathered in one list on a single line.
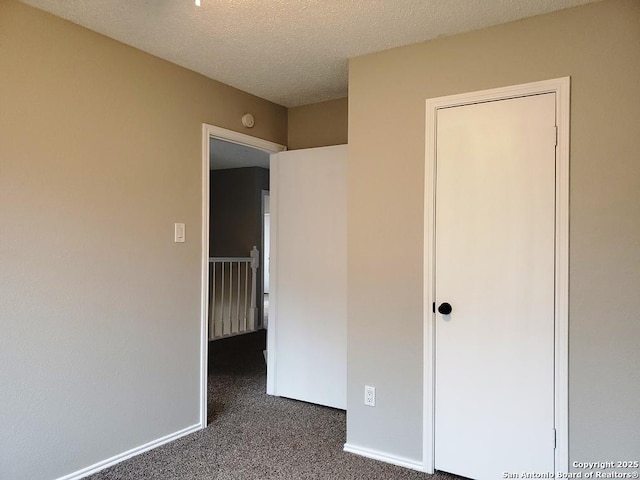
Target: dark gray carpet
[(254, 436)]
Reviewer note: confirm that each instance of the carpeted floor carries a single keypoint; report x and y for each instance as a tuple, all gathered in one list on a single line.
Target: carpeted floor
[(252, 436)]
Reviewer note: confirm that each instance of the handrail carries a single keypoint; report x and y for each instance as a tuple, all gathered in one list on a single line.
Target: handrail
[(229, 259)]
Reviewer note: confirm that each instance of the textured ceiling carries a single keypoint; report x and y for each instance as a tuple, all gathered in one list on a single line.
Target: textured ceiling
[(291, 52)]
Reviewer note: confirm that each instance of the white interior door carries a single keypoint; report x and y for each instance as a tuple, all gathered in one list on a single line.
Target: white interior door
[(494, 359), (307, 336)]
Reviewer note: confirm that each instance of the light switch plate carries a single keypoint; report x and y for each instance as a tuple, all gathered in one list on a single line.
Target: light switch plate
[(179, 232)]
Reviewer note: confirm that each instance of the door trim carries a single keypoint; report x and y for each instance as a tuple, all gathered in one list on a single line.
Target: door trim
[(263, 262), (561, 87), (273, 276), (209, 132)]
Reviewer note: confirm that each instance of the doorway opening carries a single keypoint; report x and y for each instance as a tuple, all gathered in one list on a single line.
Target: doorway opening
[(235, 171)]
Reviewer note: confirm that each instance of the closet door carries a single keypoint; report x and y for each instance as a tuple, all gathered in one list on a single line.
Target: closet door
[(495, 247)]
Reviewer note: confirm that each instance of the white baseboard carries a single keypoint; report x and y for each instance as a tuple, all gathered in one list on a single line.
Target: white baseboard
[(96, 467), (384, 457)]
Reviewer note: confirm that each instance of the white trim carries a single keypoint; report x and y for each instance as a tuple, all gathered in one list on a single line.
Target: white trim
[(243, 139), (561, 87), (208, 132), (429, 372), (204, 276), (384, 457), (273, 275), (563, 114), (96, 467), (263, 264)]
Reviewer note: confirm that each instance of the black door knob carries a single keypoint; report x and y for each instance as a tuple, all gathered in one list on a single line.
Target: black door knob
[(445, 308)]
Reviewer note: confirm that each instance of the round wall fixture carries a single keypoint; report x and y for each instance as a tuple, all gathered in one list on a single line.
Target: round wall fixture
[(248, 120)]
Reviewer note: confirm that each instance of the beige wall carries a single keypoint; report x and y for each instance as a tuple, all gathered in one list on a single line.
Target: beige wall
[(598, 45), (100, 153), (318, 124)]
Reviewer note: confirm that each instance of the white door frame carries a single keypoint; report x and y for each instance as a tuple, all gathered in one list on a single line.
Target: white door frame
[(263, 264), (561, 87), (209, 132), (273, 276)]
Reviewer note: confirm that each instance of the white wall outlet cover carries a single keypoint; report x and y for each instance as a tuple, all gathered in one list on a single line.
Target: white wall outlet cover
[(370, 396)]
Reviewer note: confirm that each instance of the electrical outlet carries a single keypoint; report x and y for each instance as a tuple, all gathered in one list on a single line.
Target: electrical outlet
[(370, 396)]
